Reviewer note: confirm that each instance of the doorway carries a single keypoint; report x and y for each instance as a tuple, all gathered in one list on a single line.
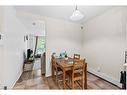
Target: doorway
[(40, 54), (36, 44)]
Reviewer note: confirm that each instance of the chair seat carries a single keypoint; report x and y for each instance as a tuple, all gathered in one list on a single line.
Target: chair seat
[(77, 76), (59, 69), (69, 73)]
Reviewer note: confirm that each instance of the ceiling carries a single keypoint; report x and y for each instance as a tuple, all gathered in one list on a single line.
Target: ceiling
[(64, 12)]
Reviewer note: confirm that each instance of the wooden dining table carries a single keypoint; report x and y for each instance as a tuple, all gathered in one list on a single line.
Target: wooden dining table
[(66, 65)]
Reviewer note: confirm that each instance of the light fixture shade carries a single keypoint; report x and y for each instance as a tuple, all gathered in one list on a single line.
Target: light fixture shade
[(76, 16)]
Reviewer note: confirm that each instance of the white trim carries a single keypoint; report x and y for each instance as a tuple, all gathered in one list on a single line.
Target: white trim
[(12, 86), (48, 75), (106, 77), (1, 87)]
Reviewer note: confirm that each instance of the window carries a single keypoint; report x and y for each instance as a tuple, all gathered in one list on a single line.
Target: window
[(40, 45)]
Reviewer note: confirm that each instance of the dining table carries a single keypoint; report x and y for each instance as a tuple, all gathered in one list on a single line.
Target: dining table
[(66, 64)]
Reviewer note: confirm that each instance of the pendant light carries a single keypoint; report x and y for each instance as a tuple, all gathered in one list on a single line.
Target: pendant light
[(77, 15)]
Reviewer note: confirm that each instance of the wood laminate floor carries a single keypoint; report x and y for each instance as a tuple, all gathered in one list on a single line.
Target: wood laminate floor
[(34, 80)]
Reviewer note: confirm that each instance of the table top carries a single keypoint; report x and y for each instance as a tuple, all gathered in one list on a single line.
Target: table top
[(64, 63)]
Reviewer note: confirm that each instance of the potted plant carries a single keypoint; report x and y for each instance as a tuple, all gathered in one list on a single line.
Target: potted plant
[(66, 57)]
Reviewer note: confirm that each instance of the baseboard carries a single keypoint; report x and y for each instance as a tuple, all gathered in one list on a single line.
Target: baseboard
[(16, 80), (48, 75), (1, 87), (105, 77), (13, 84)]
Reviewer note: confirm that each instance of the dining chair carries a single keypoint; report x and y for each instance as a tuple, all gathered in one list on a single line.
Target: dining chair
[(56, 71), (77, 73), (76, 56)]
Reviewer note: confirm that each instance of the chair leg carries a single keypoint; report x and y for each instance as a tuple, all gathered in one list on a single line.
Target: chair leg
[(53, 72), (82, 83), (83, 86), (72, 84), (70, 81), (56, 77)]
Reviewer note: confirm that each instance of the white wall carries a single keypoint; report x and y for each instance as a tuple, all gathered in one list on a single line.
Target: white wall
[(14, 46), (61, 36), (1, 66), (1, 49), (38, 29), (31, 42), (104, 44), (1, 16)]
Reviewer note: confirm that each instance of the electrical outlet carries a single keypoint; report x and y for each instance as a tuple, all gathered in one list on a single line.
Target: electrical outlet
[(0, 37), (99, 69), (5, 87)]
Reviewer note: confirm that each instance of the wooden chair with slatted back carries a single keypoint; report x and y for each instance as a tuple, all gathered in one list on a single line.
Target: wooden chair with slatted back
[(76, 56), (77, 73), (55, 69)]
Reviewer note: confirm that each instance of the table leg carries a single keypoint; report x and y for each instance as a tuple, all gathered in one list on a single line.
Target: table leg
[(63, 79), (85, 85), (53, 72)]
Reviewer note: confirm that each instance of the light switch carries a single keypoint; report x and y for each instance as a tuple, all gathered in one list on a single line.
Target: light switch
[(0, 37), (1, 40)]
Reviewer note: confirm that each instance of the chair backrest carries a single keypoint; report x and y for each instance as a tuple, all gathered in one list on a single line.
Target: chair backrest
[(78, 72), (78, 67), (53, 61), (76, 56)]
